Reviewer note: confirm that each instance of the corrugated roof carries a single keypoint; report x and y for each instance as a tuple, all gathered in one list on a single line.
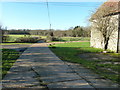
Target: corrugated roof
[(109, 7)]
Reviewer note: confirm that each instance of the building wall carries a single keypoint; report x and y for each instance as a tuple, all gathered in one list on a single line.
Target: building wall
[(114, 37), (97, 39)]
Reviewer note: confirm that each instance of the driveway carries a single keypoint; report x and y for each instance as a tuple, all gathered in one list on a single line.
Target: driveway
[(39, 67)]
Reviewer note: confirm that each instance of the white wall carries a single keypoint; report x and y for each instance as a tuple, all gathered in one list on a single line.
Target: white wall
[(97, 39)]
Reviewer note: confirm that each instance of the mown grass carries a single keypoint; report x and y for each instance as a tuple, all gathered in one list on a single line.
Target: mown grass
[(67, 39), (8, 58), (75, 38), (20, 35), (69, 52), (16, 43), (12, 38)]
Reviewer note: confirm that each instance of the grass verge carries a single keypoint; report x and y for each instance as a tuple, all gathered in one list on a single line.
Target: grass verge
[(75, 38), (68, 39), (16, 43), (13, 37), (8, 58), (69, 52)]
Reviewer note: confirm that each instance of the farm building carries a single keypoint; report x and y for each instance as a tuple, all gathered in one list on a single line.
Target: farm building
[(105, 26)]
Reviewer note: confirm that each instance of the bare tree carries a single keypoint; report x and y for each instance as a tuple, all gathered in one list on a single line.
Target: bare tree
[(1, 35), (104, 22), (106, 27)]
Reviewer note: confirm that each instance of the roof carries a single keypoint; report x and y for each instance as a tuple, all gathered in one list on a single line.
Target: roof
[(108, 8)]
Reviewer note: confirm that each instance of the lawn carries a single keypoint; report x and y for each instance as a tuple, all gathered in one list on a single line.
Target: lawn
[(68, 39), (75, 38), (70, 51), (13, 37), (8, 58), (16, 43)]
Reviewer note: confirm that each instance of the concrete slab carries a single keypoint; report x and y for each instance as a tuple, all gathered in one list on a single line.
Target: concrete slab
[(19, 79), (70, 84), (93, 78), (60, 77), (82, 71), (102, 83)]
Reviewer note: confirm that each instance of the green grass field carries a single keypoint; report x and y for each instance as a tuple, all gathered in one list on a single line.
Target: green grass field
[(69, 52), (15, 43), (13, 37), (17, 36), (8, 59), (75, 38)]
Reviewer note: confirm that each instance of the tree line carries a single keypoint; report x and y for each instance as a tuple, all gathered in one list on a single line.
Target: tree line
[(77, 31)]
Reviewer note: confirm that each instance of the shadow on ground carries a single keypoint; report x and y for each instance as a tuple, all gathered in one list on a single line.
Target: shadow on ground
[(39, 67)]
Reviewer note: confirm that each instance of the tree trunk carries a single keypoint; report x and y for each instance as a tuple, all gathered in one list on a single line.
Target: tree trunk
[(106, 40)]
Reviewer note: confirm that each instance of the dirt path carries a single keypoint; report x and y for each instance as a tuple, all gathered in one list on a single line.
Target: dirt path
[(38, 67)]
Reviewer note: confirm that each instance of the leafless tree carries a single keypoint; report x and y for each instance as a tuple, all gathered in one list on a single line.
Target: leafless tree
[(1, 33), (105, 23)]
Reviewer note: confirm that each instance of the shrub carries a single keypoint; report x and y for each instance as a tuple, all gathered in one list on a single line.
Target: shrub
[(5, 38), (52, 38), (27, 39)]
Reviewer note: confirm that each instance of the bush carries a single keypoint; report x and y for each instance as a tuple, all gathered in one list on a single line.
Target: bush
[(51, 38), (27, 39), (5, 38)]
